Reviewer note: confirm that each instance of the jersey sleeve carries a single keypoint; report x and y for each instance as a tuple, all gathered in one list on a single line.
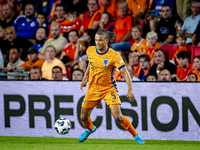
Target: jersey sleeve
[(118, 61)]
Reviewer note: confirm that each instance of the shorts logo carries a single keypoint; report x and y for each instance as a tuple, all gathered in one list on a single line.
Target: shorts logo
[(105, 62)]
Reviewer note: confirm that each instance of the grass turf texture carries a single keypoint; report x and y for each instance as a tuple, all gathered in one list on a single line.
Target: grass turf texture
[(50, 143)]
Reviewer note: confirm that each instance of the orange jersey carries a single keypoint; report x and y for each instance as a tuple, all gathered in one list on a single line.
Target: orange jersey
[(184, 48), (123, 26), (70, 51), (101, 70), (136, 5), (183, 74), (140, 46), (110, 9), (149, 51), (38, 63)]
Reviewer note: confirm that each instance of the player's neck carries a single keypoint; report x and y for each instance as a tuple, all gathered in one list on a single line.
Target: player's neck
[(102, 50)]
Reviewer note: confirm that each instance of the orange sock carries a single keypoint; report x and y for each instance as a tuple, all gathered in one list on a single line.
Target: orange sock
[(88, 124), (126, 124)]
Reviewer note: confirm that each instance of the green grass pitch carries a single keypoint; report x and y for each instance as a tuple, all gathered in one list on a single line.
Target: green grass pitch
[(50, 143)]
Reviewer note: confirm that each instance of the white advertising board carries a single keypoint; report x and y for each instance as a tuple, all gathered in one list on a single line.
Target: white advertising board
[(168, 111)]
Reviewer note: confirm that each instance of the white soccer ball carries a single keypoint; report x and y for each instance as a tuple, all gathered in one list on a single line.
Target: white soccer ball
[(62, 126)]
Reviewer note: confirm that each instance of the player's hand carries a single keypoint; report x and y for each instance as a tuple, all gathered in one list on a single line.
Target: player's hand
[(131, 96), (83, 84)]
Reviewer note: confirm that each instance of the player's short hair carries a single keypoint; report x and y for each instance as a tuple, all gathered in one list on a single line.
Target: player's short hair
[(191, 73), (74, 30), (109, 15), (152, 34), (181, 35), (159, 49), (196, 57), (111, 36), (183, 55), (137, 26), (146, 57), (152, 74), (52, 47), (57, 67), (36, 67)]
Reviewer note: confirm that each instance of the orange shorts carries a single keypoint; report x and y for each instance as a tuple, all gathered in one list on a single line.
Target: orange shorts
[(91, 100)]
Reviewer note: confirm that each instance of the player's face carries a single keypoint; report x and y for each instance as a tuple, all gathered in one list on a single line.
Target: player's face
[(60, 12), (151, 78), (158, 57), (29, 11), (10, 34), (57, 74), (41, 19), (50, 53), (180, 41), (136, 34), (165, 75), (191, 78), (144, 63), (32, 57), (133, 59), (183, 62), (196, 63), (13, 55), (73, 37), (41, 34), (77, 75), (151, 41), (35, 74), (101, 42), (55, 32)]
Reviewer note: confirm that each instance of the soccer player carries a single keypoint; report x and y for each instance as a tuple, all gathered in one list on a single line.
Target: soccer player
[(102, 60)]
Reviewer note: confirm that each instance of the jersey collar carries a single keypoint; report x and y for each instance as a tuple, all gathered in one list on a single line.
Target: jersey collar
[(102, 53)]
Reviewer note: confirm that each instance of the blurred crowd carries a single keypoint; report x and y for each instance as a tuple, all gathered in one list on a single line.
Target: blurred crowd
[(48, 39)]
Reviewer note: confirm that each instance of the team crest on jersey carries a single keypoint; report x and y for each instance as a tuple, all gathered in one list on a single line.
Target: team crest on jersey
[(105, 62), (32, 24)]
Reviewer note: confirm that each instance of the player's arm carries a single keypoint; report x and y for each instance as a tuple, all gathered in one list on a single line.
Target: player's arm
[(127, 77), (84, 81)]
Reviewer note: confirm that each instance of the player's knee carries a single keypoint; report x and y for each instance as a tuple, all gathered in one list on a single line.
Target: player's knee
[(84, 117), (118, 117)]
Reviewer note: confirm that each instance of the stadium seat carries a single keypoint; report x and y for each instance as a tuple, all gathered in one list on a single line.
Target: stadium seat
[(169, 49), (195, 51), (68, 72)]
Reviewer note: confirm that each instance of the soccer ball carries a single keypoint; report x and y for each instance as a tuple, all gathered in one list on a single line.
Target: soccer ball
[(62, 126)]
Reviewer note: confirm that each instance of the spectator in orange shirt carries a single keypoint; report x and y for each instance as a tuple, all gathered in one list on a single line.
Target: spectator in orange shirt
[(105, 22), (152, 77), (145, 66), (192, 77), (185, 67), (140, 43), (181, 40), (165, 75), (123, 29), (196, 64), (152, 44), (33, 60), (91, 18), (138, 8), (134, 62), (68, 53), (109, 6)]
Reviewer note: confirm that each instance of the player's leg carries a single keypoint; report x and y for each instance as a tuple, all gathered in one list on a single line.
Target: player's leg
[(125, 123), (86, 111)]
